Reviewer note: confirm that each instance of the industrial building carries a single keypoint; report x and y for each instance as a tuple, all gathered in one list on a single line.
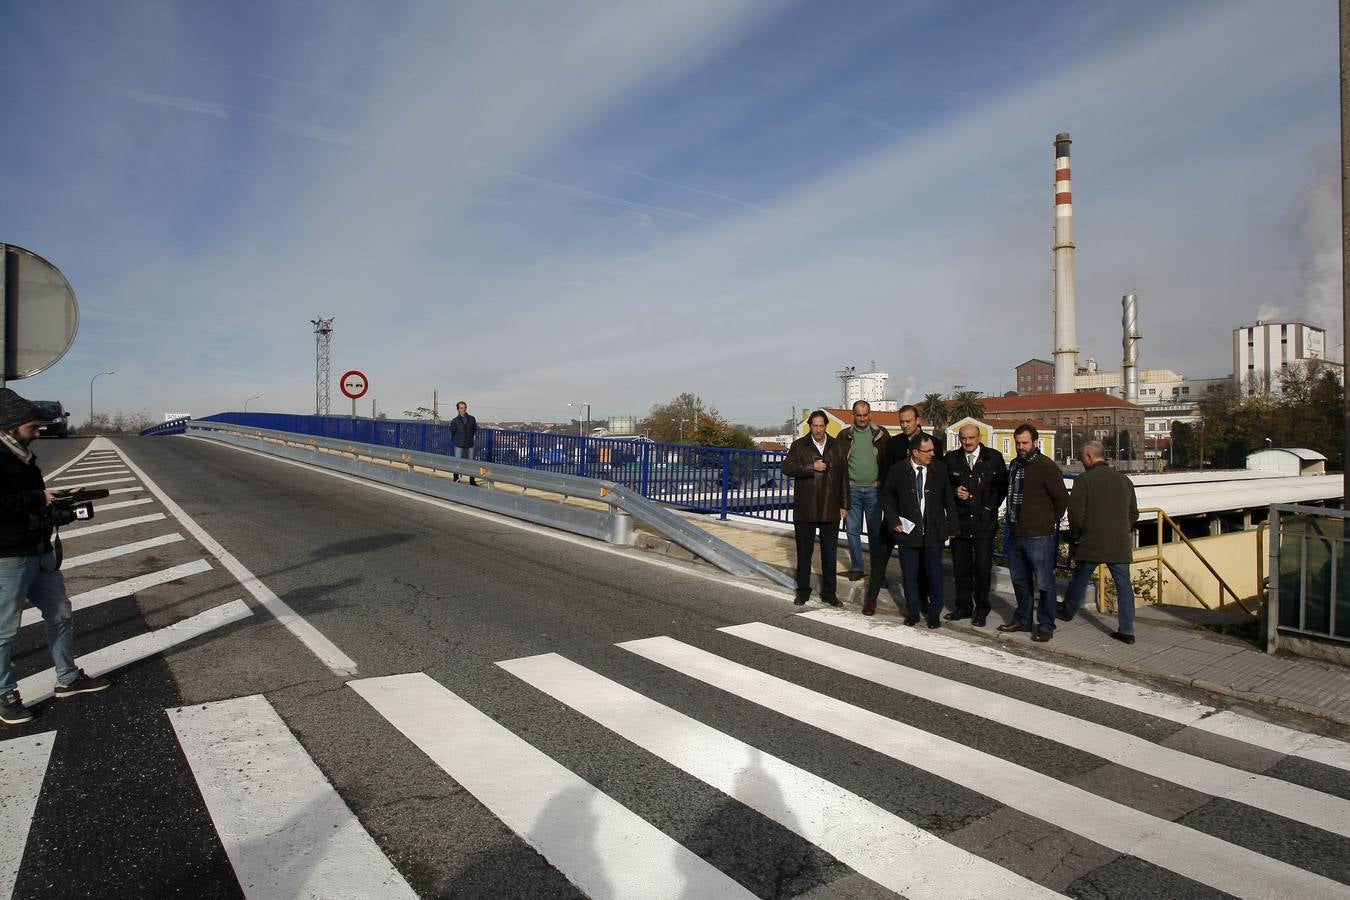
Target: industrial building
[(1264, 350)]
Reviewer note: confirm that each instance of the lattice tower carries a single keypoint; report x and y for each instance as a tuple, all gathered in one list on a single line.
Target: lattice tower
[(323, 339)]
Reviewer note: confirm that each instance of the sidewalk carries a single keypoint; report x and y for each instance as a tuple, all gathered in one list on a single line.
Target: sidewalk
[(1164, 648)]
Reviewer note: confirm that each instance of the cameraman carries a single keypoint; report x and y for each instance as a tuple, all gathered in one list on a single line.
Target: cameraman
[(28, 564)]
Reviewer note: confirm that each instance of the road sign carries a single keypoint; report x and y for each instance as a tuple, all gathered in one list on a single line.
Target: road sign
[(39, 312), (354, 384)]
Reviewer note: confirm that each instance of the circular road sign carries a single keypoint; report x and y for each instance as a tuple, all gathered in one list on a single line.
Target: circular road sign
[(354, 385), (41, 315)]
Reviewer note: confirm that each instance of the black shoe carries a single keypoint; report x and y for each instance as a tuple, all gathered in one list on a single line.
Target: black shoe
[(977, 621), (800, 599), (1062, 613), (956, 616), (911, 621), (1123, 638), (934, 623), (831, 601), (1041, 637), (82, 684), (1010, 627), (12, 710)]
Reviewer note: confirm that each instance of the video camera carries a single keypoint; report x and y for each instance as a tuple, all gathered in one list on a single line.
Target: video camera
[(68, 506)]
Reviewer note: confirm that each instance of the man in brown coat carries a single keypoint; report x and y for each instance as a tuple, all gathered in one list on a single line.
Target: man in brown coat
[(819, 470), (1102, 513), (1036, 500)]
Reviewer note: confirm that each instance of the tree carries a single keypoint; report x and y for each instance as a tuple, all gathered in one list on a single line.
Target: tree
[(1185, 449), (933, 408), (686, 420), (966, 405), (1124, 447)]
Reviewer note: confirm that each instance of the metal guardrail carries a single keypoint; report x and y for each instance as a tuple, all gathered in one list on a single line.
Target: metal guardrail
[(173, 426), (1309, 593), (1163, 519), (399, 467)]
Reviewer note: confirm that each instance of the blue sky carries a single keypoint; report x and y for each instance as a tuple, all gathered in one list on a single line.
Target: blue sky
[(531, 204)]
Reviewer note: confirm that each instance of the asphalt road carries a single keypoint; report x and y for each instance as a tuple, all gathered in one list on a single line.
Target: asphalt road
[(403, 587)]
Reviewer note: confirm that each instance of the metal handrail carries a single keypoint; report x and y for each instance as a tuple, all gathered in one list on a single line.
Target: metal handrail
[(1159, 560), (618, 498)]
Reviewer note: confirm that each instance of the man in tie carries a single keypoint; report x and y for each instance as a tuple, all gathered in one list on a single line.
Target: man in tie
[(979, 478), (919, 510)]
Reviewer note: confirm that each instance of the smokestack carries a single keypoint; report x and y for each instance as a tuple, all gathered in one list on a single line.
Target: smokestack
[(1129, 321), (1065, 312)]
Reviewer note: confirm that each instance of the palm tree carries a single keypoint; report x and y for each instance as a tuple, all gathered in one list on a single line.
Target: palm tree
[(966, 405), (934, 410)]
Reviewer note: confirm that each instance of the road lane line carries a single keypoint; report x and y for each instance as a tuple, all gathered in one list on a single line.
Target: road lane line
[(1198, 856), (39, 687), (67, 534), (285, 829), (126, 490), (121, 504), (85, 559), (96, 471), (328, 653), (878, 844), (89, 484), (602, 847), (1293, 801), (1328, 751), (24, 762), (126, 588)]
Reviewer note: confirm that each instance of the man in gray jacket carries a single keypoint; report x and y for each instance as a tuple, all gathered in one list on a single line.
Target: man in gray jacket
[(1102, 513)]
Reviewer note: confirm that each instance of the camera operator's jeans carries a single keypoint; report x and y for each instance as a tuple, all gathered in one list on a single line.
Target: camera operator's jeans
[(22, 578)]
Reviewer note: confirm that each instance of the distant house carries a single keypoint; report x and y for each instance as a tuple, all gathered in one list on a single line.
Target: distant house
[(1287, 461)]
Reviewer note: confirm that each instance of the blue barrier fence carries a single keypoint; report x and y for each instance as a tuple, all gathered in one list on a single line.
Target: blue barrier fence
[(706, 479)]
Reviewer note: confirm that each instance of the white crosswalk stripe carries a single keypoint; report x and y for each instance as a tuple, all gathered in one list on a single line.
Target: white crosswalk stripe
[(617, 854), (125, 588), (96, 483), (23, 761), (69, 533), (121, 504), (286, 831), (897, 854), (73, 562)]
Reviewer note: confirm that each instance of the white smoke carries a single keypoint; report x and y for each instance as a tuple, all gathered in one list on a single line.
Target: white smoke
[(1317, 228)]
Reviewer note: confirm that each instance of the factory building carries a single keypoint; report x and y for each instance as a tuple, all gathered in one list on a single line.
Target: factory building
[(1264, 350)]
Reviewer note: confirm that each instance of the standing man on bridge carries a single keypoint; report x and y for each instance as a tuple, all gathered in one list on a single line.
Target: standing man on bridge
[(1102, 512), (1036, 500), (980, 478), (819, 470), (463, 430), (865, 446), (29, 569), (898, 451)]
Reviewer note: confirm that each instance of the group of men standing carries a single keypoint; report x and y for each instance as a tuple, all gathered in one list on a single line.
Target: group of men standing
[(912, 499)]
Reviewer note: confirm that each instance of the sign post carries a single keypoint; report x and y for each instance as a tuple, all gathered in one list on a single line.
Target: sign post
[(38, 312), (354, 386)]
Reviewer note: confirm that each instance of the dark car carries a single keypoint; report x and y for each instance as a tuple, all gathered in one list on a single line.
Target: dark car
[(56, 417)]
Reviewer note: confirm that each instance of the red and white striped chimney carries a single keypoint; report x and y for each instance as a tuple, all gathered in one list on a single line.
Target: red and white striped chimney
[(1065, 318)]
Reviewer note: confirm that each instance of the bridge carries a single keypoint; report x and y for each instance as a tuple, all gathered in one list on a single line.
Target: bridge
[(334, 685)]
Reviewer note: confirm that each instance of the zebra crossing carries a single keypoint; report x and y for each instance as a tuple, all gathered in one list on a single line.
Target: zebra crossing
[(287, 832), (721, 713)]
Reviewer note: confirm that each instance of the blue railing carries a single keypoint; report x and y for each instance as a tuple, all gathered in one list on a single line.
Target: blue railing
[(705, 479), (173, 426)]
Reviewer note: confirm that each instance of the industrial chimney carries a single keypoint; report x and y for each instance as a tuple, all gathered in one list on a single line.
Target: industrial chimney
[(1129, 321), (1065, 322)]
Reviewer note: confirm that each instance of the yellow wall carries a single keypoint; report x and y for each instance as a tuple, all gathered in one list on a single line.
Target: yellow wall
[(1232, 555)]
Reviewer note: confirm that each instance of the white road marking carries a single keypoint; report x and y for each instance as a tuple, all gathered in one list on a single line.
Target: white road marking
[(121, 504), (96, 471), (67, 534), (126, 588), (39, 687), (1328, 751), (127, 490), (857, 832), (601, 846), (286, 831), (85, 559), (24, 762), (1293, 801), (1194, 854), (328, 653), (88, 484)]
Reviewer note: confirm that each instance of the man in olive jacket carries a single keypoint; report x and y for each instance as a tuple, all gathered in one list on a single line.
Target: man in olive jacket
[(1102, 512), (819, 470)]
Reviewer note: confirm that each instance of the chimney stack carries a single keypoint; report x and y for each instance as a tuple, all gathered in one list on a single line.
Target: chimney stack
[(1129, 321), (1065, 323)]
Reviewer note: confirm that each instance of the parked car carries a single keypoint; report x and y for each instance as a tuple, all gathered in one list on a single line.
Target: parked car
[(57, 419)]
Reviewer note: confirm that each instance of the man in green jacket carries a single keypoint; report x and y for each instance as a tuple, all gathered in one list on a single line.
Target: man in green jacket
[(1102, 513)]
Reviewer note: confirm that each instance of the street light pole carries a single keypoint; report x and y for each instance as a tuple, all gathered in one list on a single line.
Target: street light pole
[(91, 396), (254, 397)]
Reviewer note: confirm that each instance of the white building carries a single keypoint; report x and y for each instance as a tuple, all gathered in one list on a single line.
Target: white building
[(1155, 385), (869, 386), (1263, 350)]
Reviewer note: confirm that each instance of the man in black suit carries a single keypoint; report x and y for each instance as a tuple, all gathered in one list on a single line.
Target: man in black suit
[(979, 478), (897, 451), (919, 512)]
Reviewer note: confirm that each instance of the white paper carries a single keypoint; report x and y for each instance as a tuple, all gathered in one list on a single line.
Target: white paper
[(906, 526)]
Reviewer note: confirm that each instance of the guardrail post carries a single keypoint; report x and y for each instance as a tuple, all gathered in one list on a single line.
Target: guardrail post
[(726, 480), (529, 446), (1273, 595)]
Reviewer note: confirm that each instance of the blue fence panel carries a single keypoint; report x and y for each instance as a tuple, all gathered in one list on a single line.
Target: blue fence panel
[(705, 479)]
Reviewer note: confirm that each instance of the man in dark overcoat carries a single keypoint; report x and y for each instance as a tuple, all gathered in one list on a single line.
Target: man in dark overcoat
[(1102, 512), (979, 478), (819, 472)]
